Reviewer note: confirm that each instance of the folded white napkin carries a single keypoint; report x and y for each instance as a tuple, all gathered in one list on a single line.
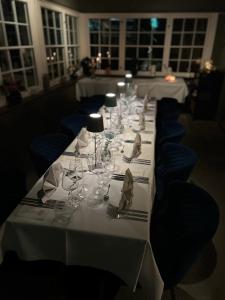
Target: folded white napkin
[(83, 137), (142, 121), (146, 100), (51, 181), (127, 191), (136, 147)]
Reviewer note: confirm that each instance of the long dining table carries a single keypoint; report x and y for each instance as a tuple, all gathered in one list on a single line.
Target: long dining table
[(92, 237), (153, 87)]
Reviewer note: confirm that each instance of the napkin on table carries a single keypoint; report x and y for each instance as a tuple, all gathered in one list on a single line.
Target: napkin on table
[(127, 191), (146, 100), (137, 146), (142, 121), (51, 181), (83, 137)]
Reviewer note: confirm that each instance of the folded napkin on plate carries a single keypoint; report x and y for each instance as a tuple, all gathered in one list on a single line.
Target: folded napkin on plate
[(136, 147), (127, 191), (51, 181), (142, 121)]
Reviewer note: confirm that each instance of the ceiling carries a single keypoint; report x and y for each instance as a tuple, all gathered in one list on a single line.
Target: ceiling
[(126, 6)]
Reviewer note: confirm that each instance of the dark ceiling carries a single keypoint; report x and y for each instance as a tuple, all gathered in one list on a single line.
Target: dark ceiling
[(123, 6)]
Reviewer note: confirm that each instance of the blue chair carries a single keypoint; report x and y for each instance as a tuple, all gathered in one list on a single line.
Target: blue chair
[(175, 162), (71, 125), (168, 109), (91, 105), (46, 149), (180, 234)]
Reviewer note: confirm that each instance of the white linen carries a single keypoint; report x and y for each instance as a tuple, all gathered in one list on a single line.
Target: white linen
[(91, 237), (156, 88)]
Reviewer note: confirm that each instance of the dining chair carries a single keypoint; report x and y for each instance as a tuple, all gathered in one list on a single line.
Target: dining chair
[(72, 124), (91, 105), (13, 189), (168, 109), (48, 279), (179, 235), (45, 149), (175, 162)]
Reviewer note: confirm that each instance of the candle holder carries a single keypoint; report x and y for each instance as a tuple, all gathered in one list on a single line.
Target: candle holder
[(95, 125)]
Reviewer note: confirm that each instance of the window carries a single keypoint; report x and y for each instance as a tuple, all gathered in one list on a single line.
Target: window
[(145, 40), (104, 42), (72, 40), (17, 62), (187, 43), (54, 43)]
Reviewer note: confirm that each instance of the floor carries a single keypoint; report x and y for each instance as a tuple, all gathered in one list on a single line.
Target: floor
[(205, 280)]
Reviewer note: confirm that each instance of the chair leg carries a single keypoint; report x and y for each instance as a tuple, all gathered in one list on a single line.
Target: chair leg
[(172, 293)]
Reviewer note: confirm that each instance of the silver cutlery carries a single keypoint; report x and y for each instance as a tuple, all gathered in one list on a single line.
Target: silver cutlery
[(132, 141), (135, 178), (136, 160), (115, 213)]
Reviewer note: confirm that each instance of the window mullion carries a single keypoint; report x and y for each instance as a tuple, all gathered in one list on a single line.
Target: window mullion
[(167, 43)]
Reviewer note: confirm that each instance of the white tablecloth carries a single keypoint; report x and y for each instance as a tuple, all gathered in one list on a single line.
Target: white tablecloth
[(91, 237), (157, 87)]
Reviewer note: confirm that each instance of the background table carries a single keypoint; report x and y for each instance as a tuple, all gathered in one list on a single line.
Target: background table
[(91, 237), (157, 87)]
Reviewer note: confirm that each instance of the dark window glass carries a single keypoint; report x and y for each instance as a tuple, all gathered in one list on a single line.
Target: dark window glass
[(114, 64), (201, 24), (94, 38), (4, 63), (21, 12), (187, 39), (50, 18), (184, 66), (161, 25), (114, 52), (11, 35), (43, 16), (132, 25), (157, 52), (7, 77), (143, 52), (195, 66), (131, 39), (144, 64), (189, 25), (28, 57), (52, 36), (61, 69), (115, 25), (55, 71), (104, 64), (50, 72), (94, 51), (7, 10), (19, 77), (173, 65), (145, 39), (2, 39), (104, 51), (174, 53), (197, 53), (199, 39), (30, 77), (24, 38), (186, 53), (176, 39), (57, 20), (128, 65), (15, 59), (59, 37), (105, 25), (60, 53), (177, 25), (158, 39), (46, 36), (145, 25), (114, 39), (131, 52), (104, 38), (94, 25)]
